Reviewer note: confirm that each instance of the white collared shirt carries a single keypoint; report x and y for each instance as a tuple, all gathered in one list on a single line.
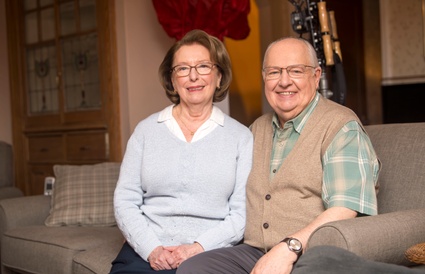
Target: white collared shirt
[(216, 119)]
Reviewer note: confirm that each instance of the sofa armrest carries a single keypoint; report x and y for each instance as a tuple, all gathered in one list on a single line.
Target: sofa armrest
[(383, 237), (23, 211), (10, 192)]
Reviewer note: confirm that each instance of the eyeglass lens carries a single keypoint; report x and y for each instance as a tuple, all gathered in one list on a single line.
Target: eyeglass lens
[(297, 71), (201, 69)]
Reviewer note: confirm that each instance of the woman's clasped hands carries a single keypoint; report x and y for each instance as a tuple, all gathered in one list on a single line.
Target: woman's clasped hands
[(170, 257)]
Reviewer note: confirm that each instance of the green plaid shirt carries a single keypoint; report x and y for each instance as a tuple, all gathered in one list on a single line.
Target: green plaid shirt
[(350, 165)]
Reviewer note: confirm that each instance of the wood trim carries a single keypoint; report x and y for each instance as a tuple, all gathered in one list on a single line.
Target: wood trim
[(107, 34), (16, 77)]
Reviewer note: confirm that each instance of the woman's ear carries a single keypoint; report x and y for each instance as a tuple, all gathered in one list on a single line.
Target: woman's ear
[(219, 81)]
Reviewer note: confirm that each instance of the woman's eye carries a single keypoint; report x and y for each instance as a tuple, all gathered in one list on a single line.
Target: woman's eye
[(182, 68)]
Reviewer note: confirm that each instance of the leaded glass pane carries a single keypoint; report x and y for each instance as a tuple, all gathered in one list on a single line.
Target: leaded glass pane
[(81, 73), (67, 15), (30, 4), (47, 24), (31, 30), (42, 82), (45, 2), (87, 15)]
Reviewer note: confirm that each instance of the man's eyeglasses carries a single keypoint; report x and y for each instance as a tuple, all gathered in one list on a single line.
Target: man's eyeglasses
[(202, 69), (295, 71)]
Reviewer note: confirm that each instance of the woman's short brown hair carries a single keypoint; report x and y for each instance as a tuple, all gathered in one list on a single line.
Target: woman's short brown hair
[(218, 55)]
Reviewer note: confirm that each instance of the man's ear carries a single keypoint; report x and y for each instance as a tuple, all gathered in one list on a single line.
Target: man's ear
[(317, 75)]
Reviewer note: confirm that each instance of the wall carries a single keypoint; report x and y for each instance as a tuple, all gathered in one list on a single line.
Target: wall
[(5, 112), (402, 40), (141, 45), (372, 61), (403, 60), (246, 89), (274, 22)]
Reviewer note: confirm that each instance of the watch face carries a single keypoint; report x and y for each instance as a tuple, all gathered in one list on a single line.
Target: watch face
[(295, 245)]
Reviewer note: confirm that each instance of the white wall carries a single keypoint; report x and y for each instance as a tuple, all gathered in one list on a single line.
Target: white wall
[(5, 111), (141, 46)]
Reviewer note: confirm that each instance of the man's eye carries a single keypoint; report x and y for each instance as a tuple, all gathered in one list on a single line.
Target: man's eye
[(273, 72), (297, 71)]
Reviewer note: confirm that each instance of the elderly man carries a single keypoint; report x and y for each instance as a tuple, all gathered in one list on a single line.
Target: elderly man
[(313, 163)]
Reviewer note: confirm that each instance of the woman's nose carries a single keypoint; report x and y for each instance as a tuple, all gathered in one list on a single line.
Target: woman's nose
[(193, 74)]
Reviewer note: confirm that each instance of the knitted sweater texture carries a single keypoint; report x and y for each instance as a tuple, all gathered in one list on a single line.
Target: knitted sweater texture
[(172, 192)]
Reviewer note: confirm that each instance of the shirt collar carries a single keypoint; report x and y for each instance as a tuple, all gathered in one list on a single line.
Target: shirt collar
[(301, 119), (217, 116)]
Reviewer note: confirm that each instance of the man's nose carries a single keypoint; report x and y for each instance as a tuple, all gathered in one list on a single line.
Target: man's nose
[(284, 78)]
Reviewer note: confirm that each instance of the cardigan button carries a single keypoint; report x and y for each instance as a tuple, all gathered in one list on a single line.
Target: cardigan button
[(268, 197), (266, 225)]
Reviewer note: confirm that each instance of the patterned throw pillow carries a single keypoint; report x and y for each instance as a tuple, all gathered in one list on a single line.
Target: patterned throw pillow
[(83, 195)]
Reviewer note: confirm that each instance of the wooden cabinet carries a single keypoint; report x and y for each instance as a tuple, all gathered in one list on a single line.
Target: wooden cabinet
[(64, 87), (45, 149), (82, 146)]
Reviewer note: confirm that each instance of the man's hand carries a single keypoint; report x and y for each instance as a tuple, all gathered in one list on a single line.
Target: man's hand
[(279, 260), (161, 259), (183, 252)]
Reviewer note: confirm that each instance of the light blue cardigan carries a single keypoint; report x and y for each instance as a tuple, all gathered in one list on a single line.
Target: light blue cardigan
[(171, 192)]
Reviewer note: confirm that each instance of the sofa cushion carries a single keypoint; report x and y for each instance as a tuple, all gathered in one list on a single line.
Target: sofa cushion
[(83, 195), (44, 249), (401, 148), (98, 259)]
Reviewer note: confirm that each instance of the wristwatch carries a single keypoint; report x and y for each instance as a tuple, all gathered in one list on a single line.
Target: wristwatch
[(294, 245)]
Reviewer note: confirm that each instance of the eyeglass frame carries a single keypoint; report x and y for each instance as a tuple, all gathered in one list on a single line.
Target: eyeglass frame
[(173, 69), (280, 69)]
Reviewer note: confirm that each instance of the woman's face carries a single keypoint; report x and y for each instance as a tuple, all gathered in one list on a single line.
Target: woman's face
[(194, 88)]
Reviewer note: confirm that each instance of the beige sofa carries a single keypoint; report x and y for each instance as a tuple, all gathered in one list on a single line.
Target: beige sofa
[(7, 188), (41, 235), (29, 246), (401, 204)]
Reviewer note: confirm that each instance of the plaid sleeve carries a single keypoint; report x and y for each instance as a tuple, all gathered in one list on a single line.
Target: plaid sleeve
[(351, 170)]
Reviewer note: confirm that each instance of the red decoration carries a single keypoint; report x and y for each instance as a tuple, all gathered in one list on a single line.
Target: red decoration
[(219, 18)]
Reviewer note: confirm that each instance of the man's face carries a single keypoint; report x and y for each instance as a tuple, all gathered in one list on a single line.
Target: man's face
[(289, 96)]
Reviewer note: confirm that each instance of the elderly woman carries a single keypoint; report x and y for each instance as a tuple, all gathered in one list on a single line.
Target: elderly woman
[(181, 189)]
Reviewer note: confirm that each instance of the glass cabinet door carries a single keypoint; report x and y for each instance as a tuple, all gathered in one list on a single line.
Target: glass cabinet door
[(62, 67)]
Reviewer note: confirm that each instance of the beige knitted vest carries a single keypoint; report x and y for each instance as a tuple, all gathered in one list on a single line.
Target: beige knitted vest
[(278, 208)]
